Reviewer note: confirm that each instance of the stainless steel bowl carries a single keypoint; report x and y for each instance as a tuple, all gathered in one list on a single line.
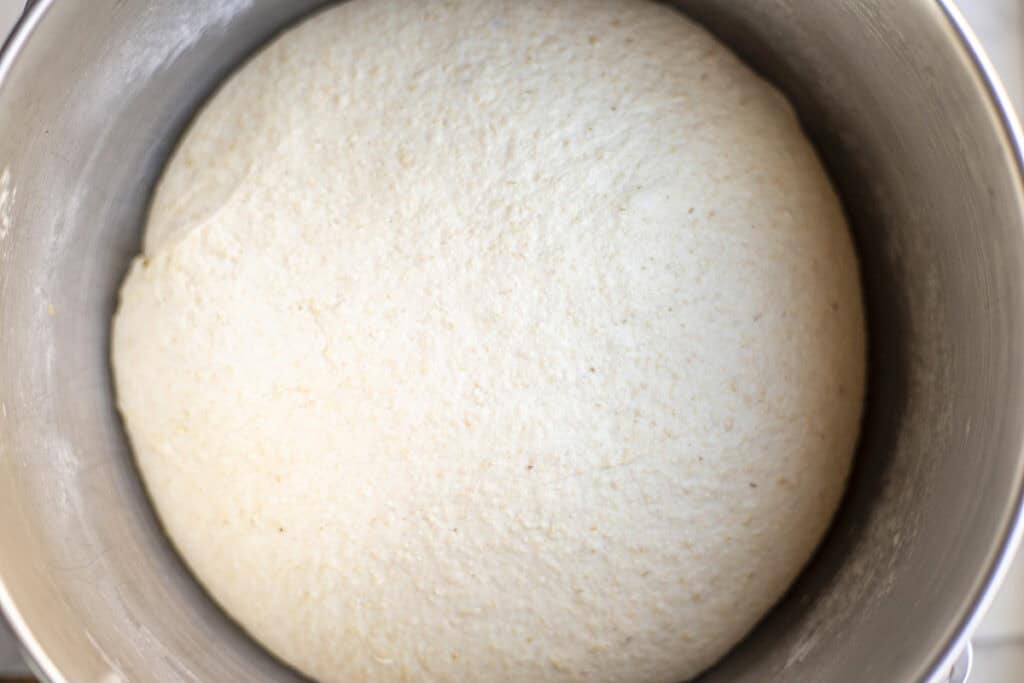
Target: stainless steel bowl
[(94, 94)]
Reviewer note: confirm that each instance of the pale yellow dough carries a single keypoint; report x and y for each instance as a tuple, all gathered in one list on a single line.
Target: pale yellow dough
[(494, 341)]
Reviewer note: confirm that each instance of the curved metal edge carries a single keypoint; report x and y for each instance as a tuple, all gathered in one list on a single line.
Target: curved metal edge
[(34, 655), (964, 664), (12, 663), (955, 659)]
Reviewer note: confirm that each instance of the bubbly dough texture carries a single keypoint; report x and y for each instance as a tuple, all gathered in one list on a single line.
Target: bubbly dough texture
[(494, 341)]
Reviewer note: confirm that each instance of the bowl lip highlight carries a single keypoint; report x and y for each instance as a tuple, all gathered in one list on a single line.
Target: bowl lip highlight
[(976, 604), (940, 656), (32, 650)]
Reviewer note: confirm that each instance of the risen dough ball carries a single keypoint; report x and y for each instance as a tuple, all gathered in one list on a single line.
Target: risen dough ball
[(494, 341)]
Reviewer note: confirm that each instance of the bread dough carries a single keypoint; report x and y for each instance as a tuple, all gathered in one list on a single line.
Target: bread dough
[(494, 341)]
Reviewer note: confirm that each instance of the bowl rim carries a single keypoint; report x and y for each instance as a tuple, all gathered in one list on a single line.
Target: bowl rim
[(943, 654), (975, 605)]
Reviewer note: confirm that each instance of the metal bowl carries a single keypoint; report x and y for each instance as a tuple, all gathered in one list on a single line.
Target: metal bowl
[(919, 142)]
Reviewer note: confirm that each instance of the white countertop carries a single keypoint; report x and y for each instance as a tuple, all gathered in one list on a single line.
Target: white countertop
[(999, 643)]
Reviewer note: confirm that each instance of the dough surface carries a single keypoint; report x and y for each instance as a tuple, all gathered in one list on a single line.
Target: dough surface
[(494, 341)]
